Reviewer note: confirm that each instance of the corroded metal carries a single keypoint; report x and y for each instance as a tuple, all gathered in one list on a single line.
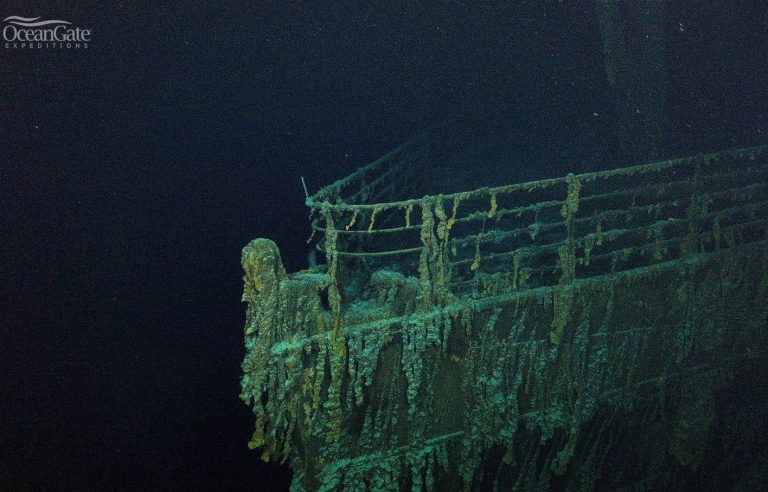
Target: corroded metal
[(569, 333)]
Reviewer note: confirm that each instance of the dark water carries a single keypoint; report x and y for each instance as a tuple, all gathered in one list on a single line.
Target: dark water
[(133, 171)]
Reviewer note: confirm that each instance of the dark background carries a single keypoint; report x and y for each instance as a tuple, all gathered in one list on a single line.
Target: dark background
[(134, 171)]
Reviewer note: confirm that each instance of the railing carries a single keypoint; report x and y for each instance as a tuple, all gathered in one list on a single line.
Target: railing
[(540, 233)]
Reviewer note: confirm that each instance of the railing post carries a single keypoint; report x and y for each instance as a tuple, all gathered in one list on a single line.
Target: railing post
[(562, 293)]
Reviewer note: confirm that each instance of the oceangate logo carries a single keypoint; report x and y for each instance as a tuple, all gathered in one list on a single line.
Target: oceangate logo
[(33, 33)]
